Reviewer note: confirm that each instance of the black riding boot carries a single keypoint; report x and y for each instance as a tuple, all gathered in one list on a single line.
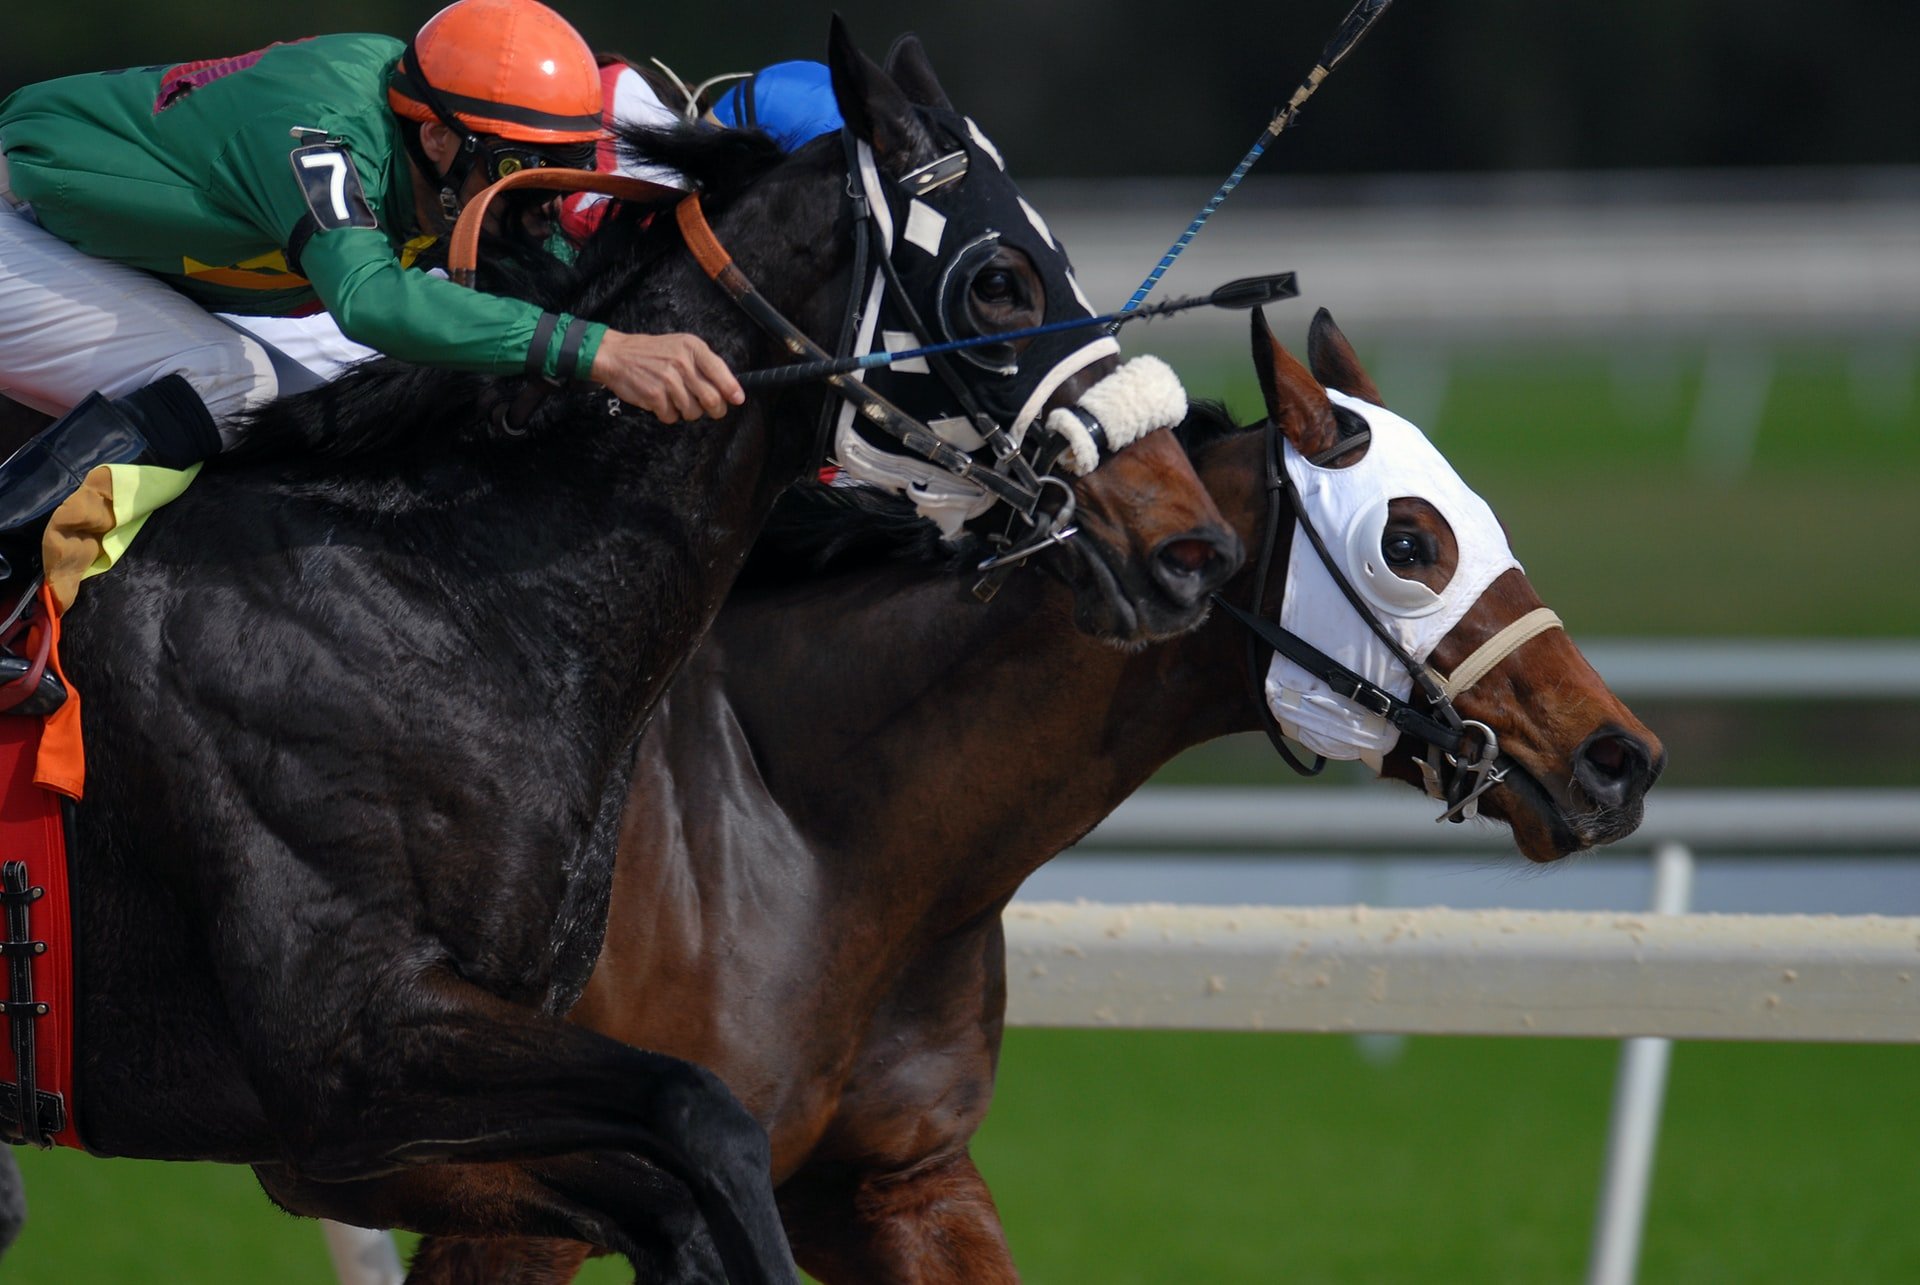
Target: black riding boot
[(164, 423)]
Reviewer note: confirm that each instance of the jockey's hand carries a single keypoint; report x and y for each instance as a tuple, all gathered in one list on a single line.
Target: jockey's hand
[(672, 377)]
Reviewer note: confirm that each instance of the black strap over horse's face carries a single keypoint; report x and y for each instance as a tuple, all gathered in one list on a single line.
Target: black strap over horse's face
[(956, 231), (953, 244)]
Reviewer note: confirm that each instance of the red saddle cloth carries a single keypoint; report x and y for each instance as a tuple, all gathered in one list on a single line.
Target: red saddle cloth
[(33, 832)]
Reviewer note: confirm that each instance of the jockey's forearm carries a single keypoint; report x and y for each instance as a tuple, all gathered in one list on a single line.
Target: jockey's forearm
[(429, 320)]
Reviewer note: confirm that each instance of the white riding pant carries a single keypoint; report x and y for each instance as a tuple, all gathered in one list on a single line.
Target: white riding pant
[(71, 324)]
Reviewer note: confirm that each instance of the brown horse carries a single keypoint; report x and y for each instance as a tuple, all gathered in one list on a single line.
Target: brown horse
[(854, 774)]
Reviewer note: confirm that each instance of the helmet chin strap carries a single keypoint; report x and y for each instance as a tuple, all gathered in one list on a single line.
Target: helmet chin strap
[(454, 178)]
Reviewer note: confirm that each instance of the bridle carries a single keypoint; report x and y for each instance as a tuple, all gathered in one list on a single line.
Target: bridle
[(876, 409), (1463, 759), (1009, 476)]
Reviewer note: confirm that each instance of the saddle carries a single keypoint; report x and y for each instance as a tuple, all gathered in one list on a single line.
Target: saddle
[(42, 772), (36, 939)]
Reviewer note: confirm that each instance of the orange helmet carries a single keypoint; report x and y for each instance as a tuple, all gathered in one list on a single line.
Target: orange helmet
[(508, 68)]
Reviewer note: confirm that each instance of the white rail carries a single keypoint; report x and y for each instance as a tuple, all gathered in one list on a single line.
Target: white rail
[(1272, 820), (1639, 1094), (1455, 972), (1762, 668), (1648, 977)]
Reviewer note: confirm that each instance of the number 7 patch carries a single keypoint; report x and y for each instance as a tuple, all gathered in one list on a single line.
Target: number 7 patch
[(332, 187)]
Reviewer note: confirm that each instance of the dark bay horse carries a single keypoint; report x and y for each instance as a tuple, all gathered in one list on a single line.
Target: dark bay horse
[(857, 770), (363, 721)]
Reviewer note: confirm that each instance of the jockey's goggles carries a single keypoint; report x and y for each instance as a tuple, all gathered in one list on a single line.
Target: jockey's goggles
[(503, 156)]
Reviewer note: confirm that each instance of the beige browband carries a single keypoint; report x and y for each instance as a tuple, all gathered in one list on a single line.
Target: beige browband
[(1498, 648)]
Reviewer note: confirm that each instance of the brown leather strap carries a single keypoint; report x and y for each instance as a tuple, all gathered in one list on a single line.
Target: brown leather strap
[(707, 250), (463, 255)]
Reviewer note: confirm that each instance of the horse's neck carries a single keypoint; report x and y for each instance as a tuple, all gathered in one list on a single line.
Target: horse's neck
[(932, 751), (670, 519)]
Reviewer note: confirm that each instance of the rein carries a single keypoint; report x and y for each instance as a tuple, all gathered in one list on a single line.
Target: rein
[(1358, 22), (463, 251), (1021, 493), (1450, 773)]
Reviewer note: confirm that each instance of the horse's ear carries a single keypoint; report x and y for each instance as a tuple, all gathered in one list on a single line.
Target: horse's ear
[(1295, 400), (874, 107), (1334, 363), (907, 64)]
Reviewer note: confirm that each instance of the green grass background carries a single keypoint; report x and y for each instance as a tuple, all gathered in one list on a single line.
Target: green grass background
[(1125, 1157), (1122, 1157)]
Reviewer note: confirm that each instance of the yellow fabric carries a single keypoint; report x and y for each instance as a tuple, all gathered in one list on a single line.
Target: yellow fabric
[(414, 248), (138, 489), (262, 272), (92, 528)]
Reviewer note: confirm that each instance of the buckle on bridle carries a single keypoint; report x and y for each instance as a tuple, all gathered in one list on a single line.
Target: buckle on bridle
[(938, 172), (1477, 774), (1046, 534), (1372, 699)]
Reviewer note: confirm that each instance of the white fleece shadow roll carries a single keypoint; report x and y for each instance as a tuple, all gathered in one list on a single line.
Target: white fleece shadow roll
[(1141, 396)]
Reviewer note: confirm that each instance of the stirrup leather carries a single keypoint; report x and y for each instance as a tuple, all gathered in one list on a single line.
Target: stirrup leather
[(28, 684)]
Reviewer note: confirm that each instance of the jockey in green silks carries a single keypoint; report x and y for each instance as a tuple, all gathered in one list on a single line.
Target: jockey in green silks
[(296, 178)]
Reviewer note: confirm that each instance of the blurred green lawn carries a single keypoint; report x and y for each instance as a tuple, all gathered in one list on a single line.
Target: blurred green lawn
[(1630, 526), (1123, 1157), (1129, 1157)]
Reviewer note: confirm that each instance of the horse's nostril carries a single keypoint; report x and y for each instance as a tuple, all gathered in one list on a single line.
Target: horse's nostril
[(1614, 768), (1188, 555), (1609, 755), (1192, 565)]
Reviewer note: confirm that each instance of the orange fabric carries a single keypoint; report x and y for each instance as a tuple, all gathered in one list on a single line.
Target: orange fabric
[(74, 533), (71, 544), (510, 53), (61, 764)]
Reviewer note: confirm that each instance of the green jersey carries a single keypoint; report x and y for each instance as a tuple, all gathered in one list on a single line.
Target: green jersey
[(271, 183)]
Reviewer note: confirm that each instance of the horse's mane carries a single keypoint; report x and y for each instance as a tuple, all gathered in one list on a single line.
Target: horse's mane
[(386, 405), (817, 531), (1207, 422), (720, 162)]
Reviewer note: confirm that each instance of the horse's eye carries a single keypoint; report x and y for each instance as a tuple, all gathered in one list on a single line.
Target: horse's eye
[(1402, 549), (995, 285)]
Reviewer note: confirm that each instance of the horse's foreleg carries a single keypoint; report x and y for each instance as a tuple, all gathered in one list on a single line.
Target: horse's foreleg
[(934, 1225), (439, 1070), (532, 1210), (445, 1261)]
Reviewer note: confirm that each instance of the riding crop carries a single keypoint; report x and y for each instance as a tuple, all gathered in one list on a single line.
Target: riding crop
[(1357, 23), (1246, 292)]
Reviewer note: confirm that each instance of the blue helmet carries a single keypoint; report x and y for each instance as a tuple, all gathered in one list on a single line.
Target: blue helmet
[(792, 101)]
